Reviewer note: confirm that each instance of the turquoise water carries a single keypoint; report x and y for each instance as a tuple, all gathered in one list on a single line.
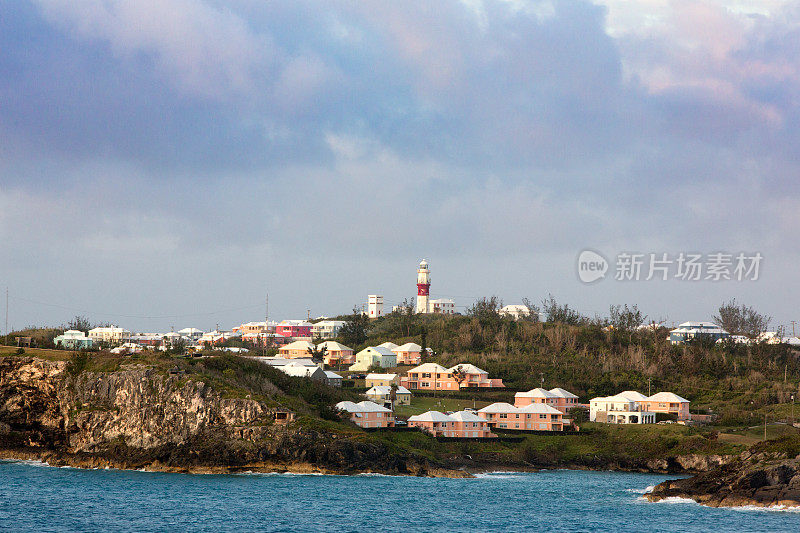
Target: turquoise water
[(43, 499)]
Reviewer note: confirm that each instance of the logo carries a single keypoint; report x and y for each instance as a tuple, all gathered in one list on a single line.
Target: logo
[(591, 266)]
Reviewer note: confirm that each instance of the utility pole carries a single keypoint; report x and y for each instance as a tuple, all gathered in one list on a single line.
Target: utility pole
[(6, 341), (266, 323), (541, 377), (648, 386), (793, 324)]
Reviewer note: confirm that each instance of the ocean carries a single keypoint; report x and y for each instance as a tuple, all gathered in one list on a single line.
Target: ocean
[(36, 497)]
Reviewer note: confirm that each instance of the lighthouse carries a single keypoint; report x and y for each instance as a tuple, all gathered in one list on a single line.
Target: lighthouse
[(423, 287)]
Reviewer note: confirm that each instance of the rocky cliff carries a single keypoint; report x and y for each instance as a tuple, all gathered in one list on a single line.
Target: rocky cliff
[(141, 417), (760, 478)]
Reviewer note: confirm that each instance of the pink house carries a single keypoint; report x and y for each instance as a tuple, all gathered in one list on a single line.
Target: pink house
[(294, 328), (367, 414), (532, 417), (408, 354), (561, 399), (432, 376), (463, 424), (337, 353), (668, 402)]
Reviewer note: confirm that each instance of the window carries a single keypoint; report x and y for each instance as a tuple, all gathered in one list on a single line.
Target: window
[(516, 415), (542, 416), (502, 425), (426, 374), (503, 415), (528, 415)]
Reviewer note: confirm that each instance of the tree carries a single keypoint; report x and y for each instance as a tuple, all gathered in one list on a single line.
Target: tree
[(80, 323), (741, 320), (625, 319), (354, 331), (318, 354), (561, 313), (533, 311), (459, 374)]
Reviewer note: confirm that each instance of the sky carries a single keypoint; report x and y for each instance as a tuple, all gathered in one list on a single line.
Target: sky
[(169, 163)]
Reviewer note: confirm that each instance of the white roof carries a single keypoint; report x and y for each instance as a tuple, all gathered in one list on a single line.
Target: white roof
[(332, 375), (467, 368), (298, 370), (466, 416), (408, 347), (562, 393), (381, 376), (540, 408), (189, 331), (389, 345), (362, 407), (498, 407), (538, 392), (516, 309), (430, 367), (280, 361), (667, 397), (380, 350), (386, 390), (297, 345), (333, 346), (430, 416), (632, 395)]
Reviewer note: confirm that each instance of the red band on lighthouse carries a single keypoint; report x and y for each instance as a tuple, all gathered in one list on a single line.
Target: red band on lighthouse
[(423, 288)]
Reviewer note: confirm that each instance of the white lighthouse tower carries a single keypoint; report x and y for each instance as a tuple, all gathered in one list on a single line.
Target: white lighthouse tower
[(423, 287)]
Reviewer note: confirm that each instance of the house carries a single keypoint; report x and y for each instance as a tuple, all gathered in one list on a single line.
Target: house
[(146, 339), (127, 348), (532, 417), (374, 306), (332, 379), (300, 370), (336, 353), (326, 329), (463, 424), (390, 345), (383, 393), (72, 339), (409, 353), (110, 334), (374, 356), (473, 376), (375, 380), (296, 349), (515, 311), (442, 306), (191, 333), (299, 329), (432, 376), (367, 414), (697, 330), (561, 399), (667, 402), (255, 327), (627, 407)]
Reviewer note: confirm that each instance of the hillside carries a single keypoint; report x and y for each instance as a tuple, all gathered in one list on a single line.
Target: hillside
[(740, 383)]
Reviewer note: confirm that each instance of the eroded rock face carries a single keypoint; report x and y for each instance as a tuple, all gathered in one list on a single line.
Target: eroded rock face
[(763, 480), (137, 417)]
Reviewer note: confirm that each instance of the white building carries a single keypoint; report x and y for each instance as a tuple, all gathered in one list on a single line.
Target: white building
[(327, 329), (697, 330), (374, 306), (110, 334), (515, 311), (628, 407), (442, 306)]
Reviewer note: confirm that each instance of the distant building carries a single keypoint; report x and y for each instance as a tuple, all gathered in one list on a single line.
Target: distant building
[(110, 334), (532, 417), (432, 376), (561, 399), (336, 353), (300, 370), (628, 407), (327, 329), (442, 306), (374, 356), (697, 330), (409, 353), (384, 380), (383, 393), (515, 311), (73, 339), (367, 414), (296, 349), (294, 328), (333, 379), (374, 306), (669, 403), (255, 328), (463, 424)]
